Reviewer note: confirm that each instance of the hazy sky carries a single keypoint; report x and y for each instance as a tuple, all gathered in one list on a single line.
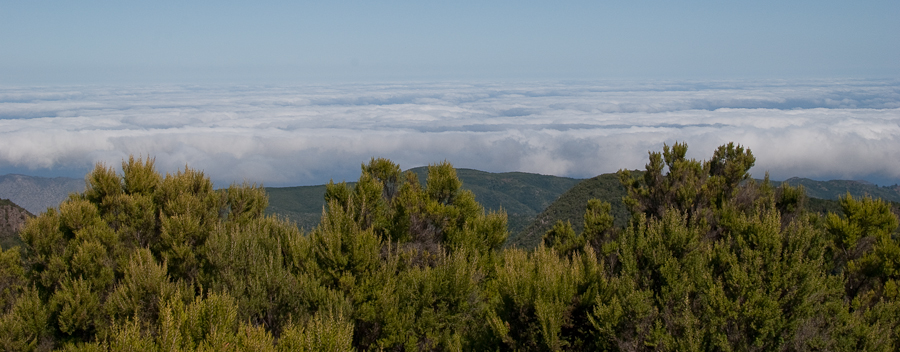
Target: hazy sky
[(293, 93), (297, 42)]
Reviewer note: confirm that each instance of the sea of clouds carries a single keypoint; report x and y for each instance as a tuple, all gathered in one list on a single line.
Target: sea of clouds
[(301, 135)]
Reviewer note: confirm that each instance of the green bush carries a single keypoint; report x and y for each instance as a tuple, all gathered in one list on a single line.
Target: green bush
[(709, 260)]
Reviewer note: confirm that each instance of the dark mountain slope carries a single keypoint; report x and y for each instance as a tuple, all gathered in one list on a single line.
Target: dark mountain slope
[(515, 192), (12, 219), (301, 205), (570, 207), (521, 195), (838, 188), (36, 194)]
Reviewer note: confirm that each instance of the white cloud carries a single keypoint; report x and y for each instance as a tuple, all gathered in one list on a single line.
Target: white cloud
[(307, 135)]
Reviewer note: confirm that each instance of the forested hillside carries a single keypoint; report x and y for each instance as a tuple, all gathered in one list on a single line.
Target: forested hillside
[(534, 203), (521, 195), (570, 207), (707, 259), (301, 205), (837, 188), (12, 219), (823, 197)]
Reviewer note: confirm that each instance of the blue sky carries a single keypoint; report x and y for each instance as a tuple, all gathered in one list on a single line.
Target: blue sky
[(66, 42)]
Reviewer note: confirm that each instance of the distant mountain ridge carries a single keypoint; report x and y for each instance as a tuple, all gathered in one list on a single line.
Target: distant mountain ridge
[(532, 202), (36, 194), (838, 188)]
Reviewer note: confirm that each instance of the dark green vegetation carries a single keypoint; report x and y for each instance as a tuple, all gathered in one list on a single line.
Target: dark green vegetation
[(521, 195), (533, 203), (301, 205), (12, 219), (570, 208), (837, 188), (706, 259)]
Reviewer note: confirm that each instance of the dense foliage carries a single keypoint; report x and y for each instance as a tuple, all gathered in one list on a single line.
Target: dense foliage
[(521, 195), (710, 260), (570, 207)]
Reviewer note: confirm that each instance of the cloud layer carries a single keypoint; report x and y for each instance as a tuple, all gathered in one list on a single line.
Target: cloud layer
[(310, 134)]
